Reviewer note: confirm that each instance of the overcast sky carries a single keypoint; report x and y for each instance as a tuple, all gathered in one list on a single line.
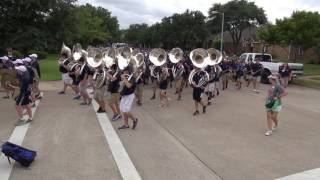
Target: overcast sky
[(151, 11)]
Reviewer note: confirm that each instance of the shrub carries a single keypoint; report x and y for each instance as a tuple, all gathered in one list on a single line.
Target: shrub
[(311, 61), (41, 54), (16, 53)]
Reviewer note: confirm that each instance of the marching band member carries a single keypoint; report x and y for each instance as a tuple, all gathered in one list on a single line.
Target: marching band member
[(210, 87), (99, 92), (198, 92), (23, 99), (127, 98), (113, 88), (248, 73), (239, 73), (179, 79), (256, 73), (83, 79), (7, 64), (217, 79), (140, 84), (34, 63), (224, 75), (155, 83), (34, 77), (67, 80), (163, 85)]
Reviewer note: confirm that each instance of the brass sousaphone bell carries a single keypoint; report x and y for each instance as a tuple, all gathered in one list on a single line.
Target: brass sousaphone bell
[(199, 58)]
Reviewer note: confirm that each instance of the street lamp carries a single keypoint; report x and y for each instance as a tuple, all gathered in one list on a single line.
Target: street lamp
[(222, 25)]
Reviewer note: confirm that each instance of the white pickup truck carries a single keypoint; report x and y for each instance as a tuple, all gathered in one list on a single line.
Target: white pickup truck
[(271, 67)]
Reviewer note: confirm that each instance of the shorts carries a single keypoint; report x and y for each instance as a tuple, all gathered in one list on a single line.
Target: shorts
[(67, 79), (23, 99), (99, 93), (163, 85), (126, 103), (114, 98), (139, 89), (197, 93), (216, 85), (224, 77), (256, 78), (178, 83), (276, 108)]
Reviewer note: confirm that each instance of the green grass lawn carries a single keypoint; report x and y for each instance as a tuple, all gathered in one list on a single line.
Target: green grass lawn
[(49, 68), (311, 69)]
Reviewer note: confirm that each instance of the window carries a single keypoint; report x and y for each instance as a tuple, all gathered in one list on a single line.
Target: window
[(264, 58)]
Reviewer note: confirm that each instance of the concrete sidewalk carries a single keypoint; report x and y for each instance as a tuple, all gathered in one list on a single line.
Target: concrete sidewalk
[(69, 142)]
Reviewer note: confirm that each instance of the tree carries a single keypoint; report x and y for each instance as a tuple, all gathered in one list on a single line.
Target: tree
[(301, 30), (239, 15), (136, 34), (186, 30), (45, 24)]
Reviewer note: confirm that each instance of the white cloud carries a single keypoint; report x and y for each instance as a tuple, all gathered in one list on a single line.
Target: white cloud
[(151, 11)]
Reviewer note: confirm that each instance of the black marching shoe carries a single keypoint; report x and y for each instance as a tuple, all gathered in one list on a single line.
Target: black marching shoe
[(123, 127), (100, 110), (135, 123), (204, 109), (196, 113)]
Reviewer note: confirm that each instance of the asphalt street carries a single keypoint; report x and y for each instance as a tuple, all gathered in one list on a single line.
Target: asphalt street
[(227, 142)]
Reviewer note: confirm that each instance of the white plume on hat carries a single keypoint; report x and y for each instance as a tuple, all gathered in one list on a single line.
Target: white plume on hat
[(21, 68), (33, 56), (5, 58), (18, 61), (27, 59)]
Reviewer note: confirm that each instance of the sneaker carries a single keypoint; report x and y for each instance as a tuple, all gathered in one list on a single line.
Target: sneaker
[(29, 120), (77, 97), (61, 92), (21, 122), (5, 97), (118, 117), (114, 117), (135, 123), (83, 103), (153, 97), (209, 103), (204, 109), (123, 127), (268, 133), (196, 113)]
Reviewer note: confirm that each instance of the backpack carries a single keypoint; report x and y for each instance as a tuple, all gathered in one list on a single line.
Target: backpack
[(22, 155)]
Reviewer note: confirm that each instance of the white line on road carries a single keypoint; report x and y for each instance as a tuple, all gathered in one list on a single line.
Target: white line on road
[(313, 174), (16, 137), (127, 170)]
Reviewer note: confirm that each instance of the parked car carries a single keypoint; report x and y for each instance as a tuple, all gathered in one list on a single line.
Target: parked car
[(269, 66)]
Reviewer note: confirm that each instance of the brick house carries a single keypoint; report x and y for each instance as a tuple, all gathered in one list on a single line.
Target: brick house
[(250, 42)]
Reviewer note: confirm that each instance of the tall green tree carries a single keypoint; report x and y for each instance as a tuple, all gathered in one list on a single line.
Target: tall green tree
[(238, 15), (136, 34), (301, 30)]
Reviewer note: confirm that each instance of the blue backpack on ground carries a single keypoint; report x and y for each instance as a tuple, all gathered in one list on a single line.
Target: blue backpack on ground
[(22, 155)]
